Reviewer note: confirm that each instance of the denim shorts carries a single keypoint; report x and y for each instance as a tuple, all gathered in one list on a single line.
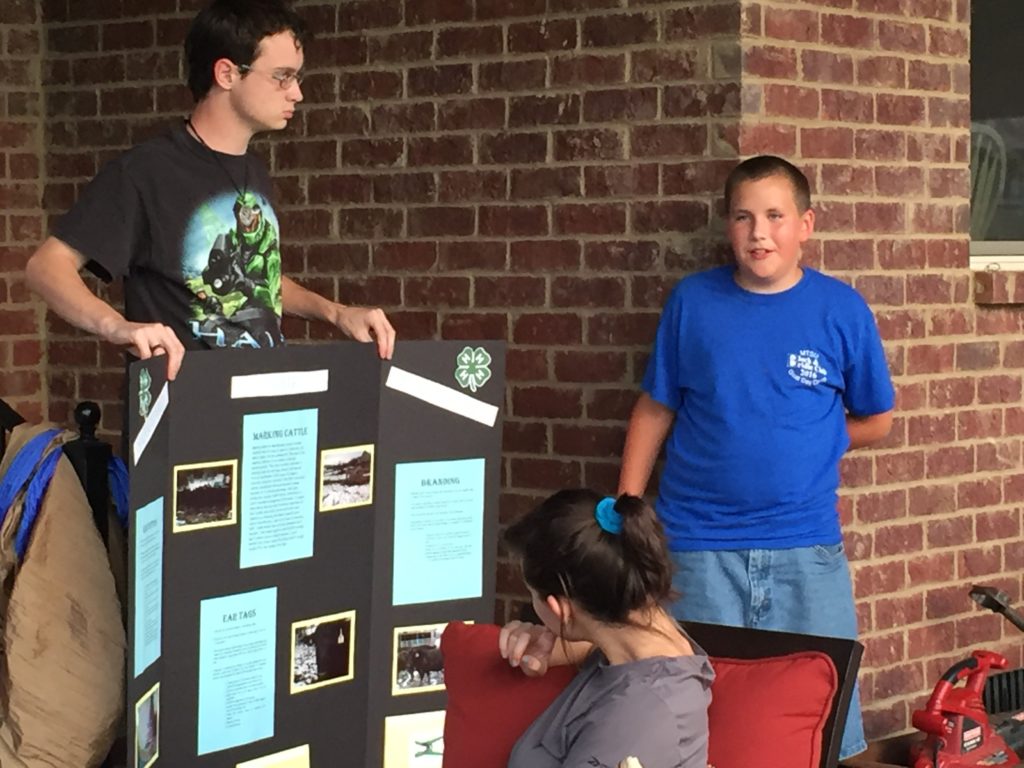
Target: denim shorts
[(805, 590)]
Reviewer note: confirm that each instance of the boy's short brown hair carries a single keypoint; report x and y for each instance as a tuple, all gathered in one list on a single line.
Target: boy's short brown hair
[(763, 166)]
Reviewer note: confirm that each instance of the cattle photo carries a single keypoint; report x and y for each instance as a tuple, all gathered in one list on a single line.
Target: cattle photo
[(418, 663), (322, 651), (346, 477), (204, 495)]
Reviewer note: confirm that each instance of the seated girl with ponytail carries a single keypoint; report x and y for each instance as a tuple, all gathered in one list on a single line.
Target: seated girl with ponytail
[(599, 574)]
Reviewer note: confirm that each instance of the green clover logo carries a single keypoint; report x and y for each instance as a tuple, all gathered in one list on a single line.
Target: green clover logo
[(473, 368), (145, 397)]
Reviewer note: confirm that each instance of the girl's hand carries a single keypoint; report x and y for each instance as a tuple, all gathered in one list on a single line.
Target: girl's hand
[(630, 762), (526, 646)]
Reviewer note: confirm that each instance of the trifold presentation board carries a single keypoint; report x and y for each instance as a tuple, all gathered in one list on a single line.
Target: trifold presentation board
[(305, 522)]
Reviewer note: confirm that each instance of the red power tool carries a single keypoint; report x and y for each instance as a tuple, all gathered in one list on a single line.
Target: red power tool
[(959, 734)]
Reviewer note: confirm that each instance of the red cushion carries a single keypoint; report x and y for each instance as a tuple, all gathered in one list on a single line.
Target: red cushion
[(490, 704), (779, 703)]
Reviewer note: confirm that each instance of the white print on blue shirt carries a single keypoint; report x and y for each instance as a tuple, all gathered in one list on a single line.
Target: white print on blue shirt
[(805, 368)]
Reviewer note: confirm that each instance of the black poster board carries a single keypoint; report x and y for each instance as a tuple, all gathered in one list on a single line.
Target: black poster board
[(305, 521)]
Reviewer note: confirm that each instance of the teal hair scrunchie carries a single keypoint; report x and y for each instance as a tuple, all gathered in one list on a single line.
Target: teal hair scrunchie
[(607, 517)]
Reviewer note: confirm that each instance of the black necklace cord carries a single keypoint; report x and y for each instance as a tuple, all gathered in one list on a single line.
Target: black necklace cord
[(245, 161)]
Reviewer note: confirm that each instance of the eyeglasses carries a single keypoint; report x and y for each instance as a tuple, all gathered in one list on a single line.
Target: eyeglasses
[(285, 78)]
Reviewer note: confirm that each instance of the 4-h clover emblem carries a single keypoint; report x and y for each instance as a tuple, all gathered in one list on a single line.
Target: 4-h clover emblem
[(473, 368), (145, 397)]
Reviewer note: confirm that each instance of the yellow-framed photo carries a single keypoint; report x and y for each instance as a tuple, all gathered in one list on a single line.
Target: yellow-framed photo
[(346, 477), (323, 651), (205, 495), (147, 728)]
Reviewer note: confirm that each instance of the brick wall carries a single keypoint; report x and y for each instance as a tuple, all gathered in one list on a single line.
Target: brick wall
[(21, 220), (542, 171)]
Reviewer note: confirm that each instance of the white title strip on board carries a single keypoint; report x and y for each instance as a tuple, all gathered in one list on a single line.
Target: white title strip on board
[(441, 396), (279, 384), (149, 425)]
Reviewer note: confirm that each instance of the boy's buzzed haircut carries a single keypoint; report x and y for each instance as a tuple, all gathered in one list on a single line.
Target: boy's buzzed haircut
[(233, 29), (763, 166)]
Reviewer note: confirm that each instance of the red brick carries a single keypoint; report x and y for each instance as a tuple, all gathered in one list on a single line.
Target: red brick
[(366, 86), (444, 80), (847, 106), (436, 291), (979, 493), (879, 578), (768, 138), (663, 64), (791, 101), (365, 14), (547, 329), (503, 148), (547, 35), (508, 292), (469, 41), (625, 104), (468, 186), (669, 216), (426, 12), (466, 114), (770, 61), (625, 180), (879, 145), (545, 474), (880, 506), (474, 326), (588, 69), (588, 144), (397, 118), (668, 139), (588, 441), (880, 217), (949, 462), (826, 67), (537, 183), (400, 47), (440, 151), (702, 21), (588, 292), (974, 356), (702, 100), (947, 42), (603, 218), (619, 29), (893, 109), (513, 220), (446, 220), (476, 256), (618, 329), (533, 256), (369, 223), (404, 188), (498, 9), (526, 365), (527, 75), (529, 111), (826, 142), (791, 24)]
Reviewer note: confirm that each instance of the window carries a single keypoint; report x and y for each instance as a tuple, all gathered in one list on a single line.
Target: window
[(997, 136)]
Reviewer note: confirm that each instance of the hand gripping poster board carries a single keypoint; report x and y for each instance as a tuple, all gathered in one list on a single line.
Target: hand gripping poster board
[(305, 522)]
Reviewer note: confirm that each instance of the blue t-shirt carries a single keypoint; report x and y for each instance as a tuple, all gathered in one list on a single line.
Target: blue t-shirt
[(761, 384)]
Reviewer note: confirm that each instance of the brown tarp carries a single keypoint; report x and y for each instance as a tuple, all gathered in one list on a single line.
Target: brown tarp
[(62, 641)]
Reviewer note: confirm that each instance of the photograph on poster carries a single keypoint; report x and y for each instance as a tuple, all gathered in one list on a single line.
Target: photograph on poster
[(414, 741), (204, 495), (147, 728), (323, 650), (298, 757), (418, 664), (346, 477)]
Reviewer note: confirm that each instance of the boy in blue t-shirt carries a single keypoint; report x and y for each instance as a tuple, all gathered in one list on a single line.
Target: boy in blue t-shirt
[(762, 376)]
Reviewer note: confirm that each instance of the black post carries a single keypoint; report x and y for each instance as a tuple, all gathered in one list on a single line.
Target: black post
[(90, 457)]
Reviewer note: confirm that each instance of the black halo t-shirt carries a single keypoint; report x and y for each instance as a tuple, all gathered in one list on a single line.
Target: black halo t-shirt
[(194, 236)]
